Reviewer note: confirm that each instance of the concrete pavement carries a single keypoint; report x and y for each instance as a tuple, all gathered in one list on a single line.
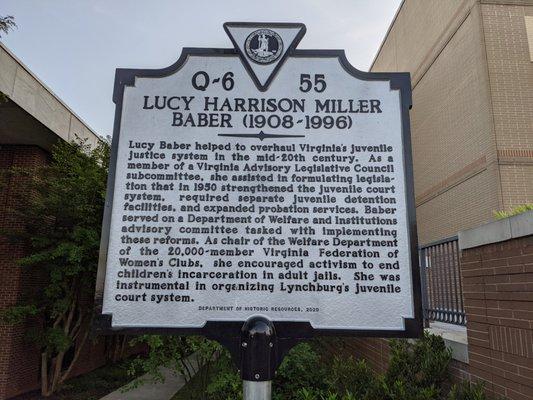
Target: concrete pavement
[(153, 391)]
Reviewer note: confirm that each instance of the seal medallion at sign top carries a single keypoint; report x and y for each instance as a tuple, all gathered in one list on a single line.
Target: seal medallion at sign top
[(263, 46)]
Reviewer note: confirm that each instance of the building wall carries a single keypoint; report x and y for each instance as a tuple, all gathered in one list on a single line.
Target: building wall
[(498, 282), (472, 128), (454, 150), (29, 93), (471, 122), (419, 26), (31, 122), (19, 359), (497, 286), (510, 69)]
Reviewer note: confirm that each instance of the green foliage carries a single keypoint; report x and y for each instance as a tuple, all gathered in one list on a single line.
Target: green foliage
[(310, 394), (61, 218), (184, 355), (95, 384), (299, 375), (467, 391), (301, 368), (418, 370), (164, 351), (514, 211), (350, 377), (227, 384), (62, 224), (7, 23), (17, 314), (400, 390)]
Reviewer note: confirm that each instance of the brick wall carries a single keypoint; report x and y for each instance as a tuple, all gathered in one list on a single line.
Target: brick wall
[(511, 83), (498, 286), (471, 122), (454, 148), (374, 350), (498, 301), (19, 358)]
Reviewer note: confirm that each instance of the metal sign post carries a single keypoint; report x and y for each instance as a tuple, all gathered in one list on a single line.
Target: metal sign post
[(261, 390), (258, 347), (260, 195)]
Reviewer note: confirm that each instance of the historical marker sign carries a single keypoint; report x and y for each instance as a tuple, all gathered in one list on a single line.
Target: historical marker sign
[(261, 180)]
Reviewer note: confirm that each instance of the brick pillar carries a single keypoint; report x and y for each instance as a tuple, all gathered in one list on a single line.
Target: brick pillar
[(19, 360), (498, 295)]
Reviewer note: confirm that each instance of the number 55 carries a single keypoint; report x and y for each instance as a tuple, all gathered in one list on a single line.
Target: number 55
[(306, 84)]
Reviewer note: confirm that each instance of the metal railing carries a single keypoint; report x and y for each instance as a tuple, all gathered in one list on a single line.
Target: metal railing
[(442, 294)]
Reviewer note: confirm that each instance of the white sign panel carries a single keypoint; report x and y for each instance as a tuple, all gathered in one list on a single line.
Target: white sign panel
[(261, 180)]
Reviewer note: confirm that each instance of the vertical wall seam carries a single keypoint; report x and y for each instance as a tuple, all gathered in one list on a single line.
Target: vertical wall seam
[(491, 105)]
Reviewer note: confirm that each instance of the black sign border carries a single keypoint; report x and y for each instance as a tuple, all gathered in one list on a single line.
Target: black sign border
[(288, 334)]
